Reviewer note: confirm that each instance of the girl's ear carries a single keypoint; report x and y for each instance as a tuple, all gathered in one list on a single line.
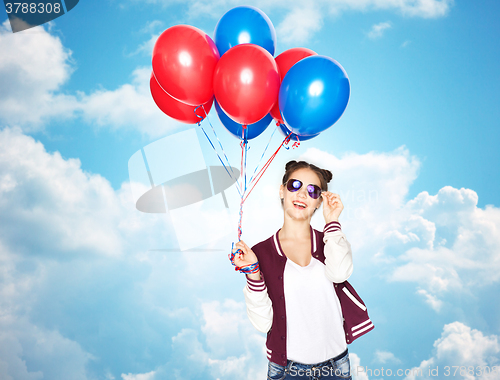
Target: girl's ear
[(282, 191)]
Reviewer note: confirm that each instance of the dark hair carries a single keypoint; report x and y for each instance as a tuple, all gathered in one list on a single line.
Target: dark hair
[(324, 175)]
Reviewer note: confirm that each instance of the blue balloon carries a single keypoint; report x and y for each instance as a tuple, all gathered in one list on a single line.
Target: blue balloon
[(253, 130), (313, 95), (242, 25), (285, 132)]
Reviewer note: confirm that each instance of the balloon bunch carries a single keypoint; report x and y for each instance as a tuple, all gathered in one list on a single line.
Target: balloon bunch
[(304, 92)]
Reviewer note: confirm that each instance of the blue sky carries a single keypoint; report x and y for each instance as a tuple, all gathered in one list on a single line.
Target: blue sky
[(91, 288)]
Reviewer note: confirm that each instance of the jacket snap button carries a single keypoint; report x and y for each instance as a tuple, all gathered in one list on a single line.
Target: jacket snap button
[(282, 338), (280, 277), (281, 297), (282, 317)]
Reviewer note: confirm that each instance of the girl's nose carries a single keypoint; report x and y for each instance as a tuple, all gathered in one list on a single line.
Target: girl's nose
[(302, 192)]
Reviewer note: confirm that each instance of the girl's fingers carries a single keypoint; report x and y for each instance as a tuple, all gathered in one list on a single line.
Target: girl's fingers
[(239, 244)]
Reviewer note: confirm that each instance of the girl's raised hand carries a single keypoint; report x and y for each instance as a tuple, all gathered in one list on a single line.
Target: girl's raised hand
[(332, 206)]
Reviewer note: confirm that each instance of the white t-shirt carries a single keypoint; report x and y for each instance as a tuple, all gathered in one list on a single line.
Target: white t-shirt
[(313, 314)]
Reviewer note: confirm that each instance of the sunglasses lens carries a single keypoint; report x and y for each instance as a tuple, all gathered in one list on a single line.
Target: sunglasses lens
[(293, 185), (314, 191)]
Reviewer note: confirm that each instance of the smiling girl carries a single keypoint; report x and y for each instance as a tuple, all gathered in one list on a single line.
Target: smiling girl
[(297, 291)]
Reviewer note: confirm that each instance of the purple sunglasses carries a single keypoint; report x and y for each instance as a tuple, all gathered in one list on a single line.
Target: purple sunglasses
[(293, 185)]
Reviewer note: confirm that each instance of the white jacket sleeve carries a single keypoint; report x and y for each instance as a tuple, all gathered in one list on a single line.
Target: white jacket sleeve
[(259, 305), (338, 254)]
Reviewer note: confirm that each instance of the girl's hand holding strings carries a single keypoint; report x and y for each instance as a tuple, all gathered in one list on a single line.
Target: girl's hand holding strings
[(245, 257)]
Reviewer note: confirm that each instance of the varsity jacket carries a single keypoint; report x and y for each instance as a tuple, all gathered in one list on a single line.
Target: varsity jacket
[(265, 299)]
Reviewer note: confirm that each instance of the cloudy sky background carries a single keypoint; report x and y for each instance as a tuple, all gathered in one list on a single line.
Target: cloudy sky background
[(90, 288)]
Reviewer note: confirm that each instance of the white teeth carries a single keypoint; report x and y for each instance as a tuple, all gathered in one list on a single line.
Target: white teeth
[(300, 204)]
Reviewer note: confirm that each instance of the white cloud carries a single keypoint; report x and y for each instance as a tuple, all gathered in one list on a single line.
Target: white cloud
[(227, 347), (69, 265), (50, 203), (385, 357), (458, 247), (299, 25), (29, 352), (431, 299), (129, 106), (152, 26), (358, 372), (378, 30), (412, 8), (33, 67), (146, 47), (140, 376), (234, 348), (461, 346)]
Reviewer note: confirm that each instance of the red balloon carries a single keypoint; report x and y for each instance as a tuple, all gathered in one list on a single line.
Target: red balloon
[(246, 83), (175, 109), (285, 61), (184, 59)]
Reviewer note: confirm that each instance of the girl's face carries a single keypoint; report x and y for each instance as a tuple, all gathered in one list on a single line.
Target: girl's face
[(299, 204)]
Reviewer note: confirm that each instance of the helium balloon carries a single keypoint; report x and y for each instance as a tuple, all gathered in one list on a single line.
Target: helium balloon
[(175, 109), (184, 59), (252, 130), (313, 95), (246, 83), (285, 61), (285, 131), (245, 24)]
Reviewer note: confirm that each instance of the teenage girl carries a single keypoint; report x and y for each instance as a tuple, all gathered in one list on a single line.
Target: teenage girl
[(292, 294)]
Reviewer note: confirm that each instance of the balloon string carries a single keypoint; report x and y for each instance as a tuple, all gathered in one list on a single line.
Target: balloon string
[(217, 137), (265, 150), (220, 144), (245, 135), (215, 150), (266, 165), (244, 148)]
